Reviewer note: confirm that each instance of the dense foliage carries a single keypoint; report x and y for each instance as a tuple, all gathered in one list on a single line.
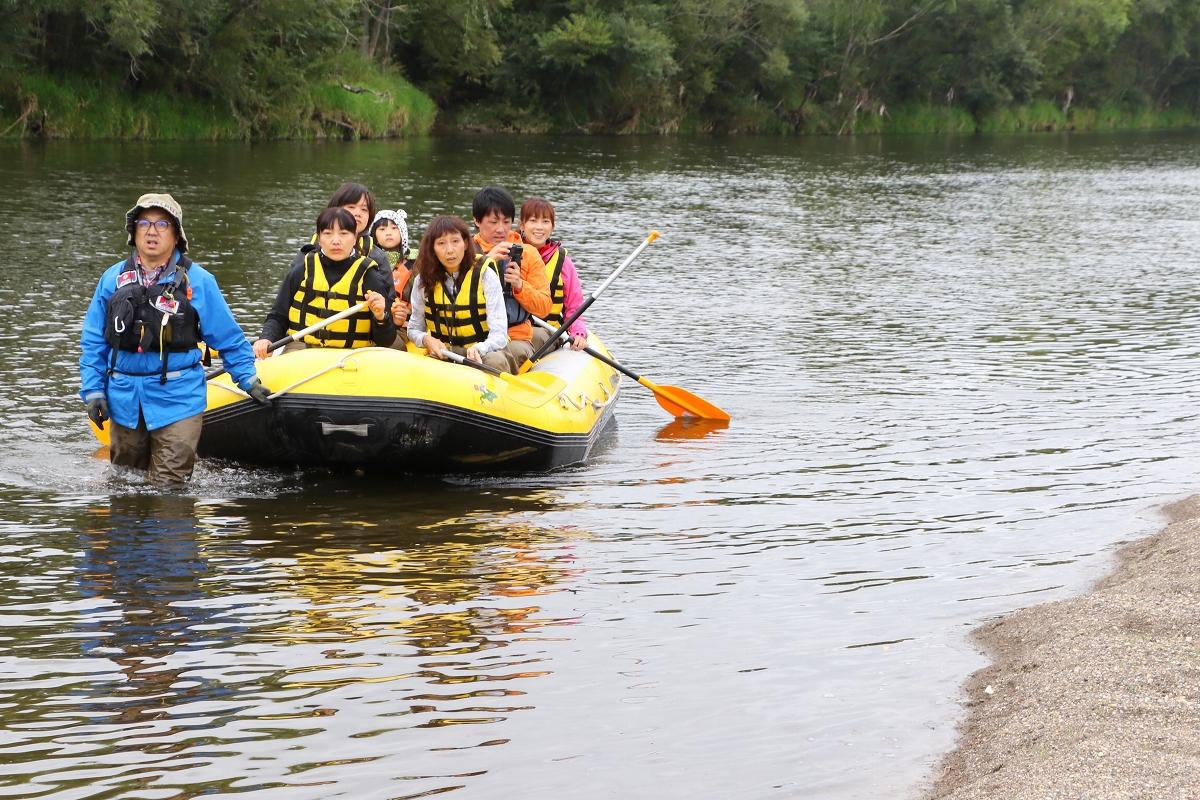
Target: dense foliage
[(262, 67), (280, 66)]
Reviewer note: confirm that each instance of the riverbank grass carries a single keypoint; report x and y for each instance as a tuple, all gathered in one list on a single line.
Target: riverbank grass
[(825, 120), (361, 103), (74, 108), (1037, 117), (374, 106)]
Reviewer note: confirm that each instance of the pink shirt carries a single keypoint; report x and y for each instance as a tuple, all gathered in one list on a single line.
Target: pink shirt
[(572, 291)]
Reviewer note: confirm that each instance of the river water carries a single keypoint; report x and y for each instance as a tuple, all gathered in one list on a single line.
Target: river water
[(960, 371)]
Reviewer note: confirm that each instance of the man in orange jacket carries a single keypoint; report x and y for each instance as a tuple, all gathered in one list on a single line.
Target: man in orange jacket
[(526, 287)]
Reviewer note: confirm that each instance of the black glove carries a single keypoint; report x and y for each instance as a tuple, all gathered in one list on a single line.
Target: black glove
[(97, 411), (259, 393)]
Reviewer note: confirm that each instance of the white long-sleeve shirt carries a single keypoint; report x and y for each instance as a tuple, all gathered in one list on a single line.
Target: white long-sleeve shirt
[(497, 317)]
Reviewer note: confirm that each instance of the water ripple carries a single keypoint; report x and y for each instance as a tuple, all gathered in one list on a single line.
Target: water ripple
[(975, 378)]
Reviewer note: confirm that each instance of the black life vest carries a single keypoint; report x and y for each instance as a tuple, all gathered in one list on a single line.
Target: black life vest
[(151, 319), (512, 308)]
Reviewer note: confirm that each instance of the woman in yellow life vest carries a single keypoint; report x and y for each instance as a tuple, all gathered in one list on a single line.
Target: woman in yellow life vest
[(331, 278), (566, 295), (457, 300)]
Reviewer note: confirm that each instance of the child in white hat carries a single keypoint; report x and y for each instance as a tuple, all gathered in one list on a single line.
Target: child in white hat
[(389, 229)]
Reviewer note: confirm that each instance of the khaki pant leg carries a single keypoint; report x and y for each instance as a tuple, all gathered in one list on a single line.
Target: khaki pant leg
[(497, 359), (173, 450), (129, 447), (540, 337), (293, 347), (516, 352)]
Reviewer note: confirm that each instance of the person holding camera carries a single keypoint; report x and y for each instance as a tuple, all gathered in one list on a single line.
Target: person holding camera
[(523, 273), (140, 365)]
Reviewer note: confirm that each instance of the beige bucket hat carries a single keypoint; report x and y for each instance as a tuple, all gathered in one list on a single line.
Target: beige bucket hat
[(167, 204)]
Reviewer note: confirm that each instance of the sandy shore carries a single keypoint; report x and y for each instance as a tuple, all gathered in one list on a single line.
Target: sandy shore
[(1096, 696)]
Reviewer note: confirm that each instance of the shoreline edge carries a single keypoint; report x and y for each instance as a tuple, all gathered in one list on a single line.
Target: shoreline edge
[(1092, 696)]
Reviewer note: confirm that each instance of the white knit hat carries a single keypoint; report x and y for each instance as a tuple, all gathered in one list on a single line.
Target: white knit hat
[(398, 216)]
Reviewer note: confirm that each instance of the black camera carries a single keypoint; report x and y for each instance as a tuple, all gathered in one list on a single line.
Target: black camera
[(515, 252)]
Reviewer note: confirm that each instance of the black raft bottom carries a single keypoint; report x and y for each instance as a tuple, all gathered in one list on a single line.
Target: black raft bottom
[(407, 435)]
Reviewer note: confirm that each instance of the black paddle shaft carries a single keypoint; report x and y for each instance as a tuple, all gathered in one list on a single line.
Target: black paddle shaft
[(554, 337), (466, 362), (596, 354)]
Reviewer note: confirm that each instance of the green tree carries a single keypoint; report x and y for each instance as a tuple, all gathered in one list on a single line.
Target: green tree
[(625, 65), (970, 53)]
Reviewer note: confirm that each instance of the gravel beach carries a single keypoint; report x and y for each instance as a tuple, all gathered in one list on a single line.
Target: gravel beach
[(1095, 696)]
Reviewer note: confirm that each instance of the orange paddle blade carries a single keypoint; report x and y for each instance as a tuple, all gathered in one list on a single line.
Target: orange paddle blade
[(682, 403)]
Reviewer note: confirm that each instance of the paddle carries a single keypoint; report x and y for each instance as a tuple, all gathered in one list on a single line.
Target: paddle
[(554, 337), (677, 402), (285, 341), (466, 362)]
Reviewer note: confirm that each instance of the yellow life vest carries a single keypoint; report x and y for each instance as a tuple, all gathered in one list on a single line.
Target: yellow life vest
[(554, 269), (316, 300), (460, 320)]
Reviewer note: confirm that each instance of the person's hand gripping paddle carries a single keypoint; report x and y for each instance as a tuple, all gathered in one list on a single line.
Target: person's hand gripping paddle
[(466, 362)]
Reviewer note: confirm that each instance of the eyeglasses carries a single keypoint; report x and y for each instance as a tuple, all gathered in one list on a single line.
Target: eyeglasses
[(163, 225)]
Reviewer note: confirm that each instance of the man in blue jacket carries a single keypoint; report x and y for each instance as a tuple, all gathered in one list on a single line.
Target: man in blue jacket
[(140, 364)]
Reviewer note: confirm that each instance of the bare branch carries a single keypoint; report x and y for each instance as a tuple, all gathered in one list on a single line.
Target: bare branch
[(364, 90), (904, 25)]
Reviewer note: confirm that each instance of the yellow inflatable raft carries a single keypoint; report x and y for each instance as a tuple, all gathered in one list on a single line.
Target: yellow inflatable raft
[(378, 407)]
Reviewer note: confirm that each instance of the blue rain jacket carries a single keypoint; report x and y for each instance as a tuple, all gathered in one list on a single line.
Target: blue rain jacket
[(185, 393)]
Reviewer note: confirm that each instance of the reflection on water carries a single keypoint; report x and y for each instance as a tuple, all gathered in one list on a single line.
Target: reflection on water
[(690, 428), (174, 636), (960, 370)]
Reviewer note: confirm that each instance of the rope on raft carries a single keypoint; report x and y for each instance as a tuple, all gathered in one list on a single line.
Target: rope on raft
[(584, 400), (339, 364), (229, 388)]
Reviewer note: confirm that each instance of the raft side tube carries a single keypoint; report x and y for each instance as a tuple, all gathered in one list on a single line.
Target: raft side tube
[(388, 408)]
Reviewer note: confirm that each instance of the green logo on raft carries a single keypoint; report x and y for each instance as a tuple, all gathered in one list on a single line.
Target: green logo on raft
[(486, 395)]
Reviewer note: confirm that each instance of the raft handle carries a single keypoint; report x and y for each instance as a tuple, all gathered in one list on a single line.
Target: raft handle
[(356, 430)]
